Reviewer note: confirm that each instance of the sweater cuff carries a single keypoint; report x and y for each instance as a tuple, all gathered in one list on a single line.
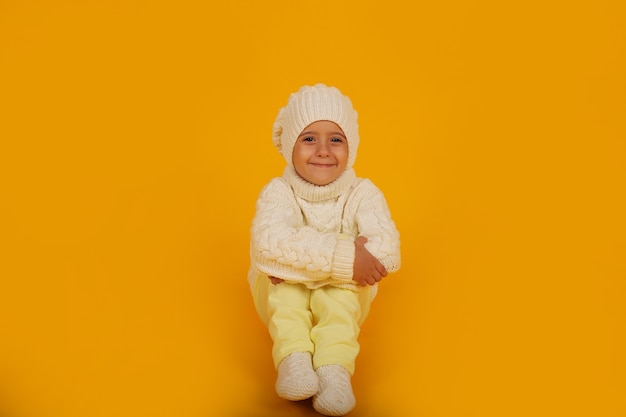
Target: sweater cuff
[(343, 261)]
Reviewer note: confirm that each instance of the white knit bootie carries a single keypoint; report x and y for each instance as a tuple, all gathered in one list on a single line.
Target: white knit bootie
[(296, 378), (335, 397)]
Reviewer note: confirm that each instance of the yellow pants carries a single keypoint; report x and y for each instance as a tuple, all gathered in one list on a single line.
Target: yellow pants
[(324, 321)]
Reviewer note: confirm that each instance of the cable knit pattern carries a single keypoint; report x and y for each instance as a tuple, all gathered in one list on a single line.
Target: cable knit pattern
[(304, 233), (335, 397)]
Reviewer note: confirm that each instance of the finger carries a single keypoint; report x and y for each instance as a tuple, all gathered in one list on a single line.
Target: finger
[(381, 269)]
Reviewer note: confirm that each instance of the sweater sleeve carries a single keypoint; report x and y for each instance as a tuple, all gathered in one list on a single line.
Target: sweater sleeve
[(282, 246), (373, 220)]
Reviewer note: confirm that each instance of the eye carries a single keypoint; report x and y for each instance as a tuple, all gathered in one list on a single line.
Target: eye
[(336, 139), (308, 139)]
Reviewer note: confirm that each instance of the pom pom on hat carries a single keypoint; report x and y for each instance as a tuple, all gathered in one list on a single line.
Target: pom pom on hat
[(310, 104)]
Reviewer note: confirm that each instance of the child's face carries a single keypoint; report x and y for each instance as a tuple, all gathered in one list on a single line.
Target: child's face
[(320, 154)]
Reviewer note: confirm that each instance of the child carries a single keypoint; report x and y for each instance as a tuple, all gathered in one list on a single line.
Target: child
[(321, 240)]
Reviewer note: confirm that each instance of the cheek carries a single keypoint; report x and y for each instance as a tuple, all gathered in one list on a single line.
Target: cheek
[(343, 155), (298, 155)]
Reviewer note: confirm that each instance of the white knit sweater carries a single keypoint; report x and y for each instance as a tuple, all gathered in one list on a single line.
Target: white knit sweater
[(304, 233)]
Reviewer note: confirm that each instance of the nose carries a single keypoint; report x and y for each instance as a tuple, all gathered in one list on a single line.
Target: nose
[(322, 149)]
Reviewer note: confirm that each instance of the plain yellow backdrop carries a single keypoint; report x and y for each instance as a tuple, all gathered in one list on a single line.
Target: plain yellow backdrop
[(136, 135)]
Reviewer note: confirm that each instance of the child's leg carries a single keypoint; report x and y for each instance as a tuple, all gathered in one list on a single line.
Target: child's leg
[(338, 314), (284, 308)]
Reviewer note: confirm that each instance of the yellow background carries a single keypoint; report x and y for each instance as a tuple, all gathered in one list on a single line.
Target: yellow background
[(136, 135)]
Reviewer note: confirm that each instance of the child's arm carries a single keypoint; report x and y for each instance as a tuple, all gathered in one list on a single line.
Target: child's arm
[(373, 220), (283, 247), (367, 269)]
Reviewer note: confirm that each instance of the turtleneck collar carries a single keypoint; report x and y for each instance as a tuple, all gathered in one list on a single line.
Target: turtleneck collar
[(312, 192)]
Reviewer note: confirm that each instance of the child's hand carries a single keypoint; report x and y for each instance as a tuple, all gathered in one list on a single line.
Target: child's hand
[(367, 269), (276, 280)]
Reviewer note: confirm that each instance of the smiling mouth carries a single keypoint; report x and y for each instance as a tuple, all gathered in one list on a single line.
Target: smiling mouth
[(323, 165)]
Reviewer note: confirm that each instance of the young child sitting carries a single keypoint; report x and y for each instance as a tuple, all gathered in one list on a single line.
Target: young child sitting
[(321, 240)]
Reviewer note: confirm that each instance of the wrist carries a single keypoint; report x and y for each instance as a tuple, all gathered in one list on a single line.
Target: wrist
[(343, 260)]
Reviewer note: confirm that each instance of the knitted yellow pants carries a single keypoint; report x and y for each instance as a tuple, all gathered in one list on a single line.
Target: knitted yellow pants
[(324, 321)]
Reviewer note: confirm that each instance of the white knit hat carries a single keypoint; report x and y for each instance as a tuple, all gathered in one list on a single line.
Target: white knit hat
[(308, 105)]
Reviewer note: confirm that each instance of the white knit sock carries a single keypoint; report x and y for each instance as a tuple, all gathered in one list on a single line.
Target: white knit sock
[(296, 378), (335, 397)]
